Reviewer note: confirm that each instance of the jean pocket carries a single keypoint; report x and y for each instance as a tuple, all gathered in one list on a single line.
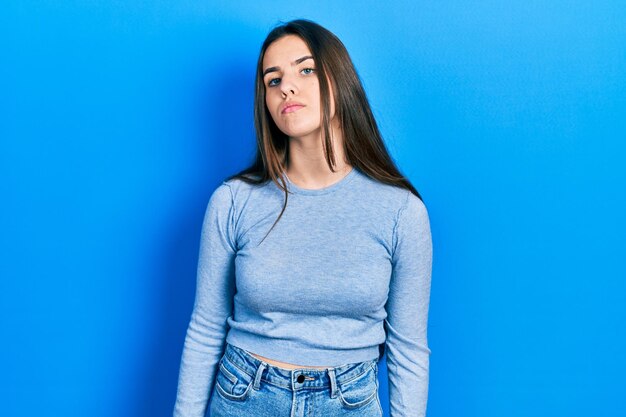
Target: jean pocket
[(360, 390), (231, 382)]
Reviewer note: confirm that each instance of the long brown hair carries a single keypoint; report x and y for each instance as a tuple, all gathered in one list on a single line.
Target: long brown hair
[(363, 144)]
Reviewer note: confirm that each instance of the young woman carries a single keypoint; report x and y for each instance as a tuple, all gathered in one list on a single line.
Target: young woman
[(314, 259)]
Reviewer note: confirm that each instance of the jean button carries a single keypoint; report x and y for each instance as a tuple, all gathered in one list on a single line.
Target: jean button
[(301, 378)]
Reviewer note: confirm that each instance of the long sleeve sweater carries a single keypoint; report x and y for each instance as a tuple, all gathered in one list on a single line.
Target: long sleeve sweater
[(346, 269)]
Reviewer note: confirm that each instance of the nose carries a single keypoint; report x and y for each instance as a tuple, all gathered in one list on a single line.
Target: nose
[(288, 85)]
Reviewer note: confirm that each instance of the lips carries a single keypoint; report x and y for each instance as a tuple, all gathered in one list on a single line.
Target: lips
[(291, 107)]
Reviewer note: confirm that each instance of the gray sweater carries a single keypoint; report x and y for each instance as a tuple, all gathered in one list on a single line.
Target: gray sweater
[(346, 268)]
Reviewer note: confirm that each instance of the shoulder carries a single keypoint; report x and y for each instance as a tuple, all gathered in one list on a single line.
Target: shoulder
[(231, 193), (380, 193), (396, 197), (222, 196), (242, 190), (413, 207), (237, 196), (412, 222)]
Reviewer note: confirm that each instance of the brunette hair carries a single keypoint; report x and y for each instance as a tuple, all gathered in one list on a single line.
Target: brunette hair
[(363, 144)]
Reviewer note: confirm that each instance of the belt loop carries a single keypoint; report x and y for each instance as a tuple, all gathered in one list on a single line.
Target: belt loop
[(257, 376), (333, 382)]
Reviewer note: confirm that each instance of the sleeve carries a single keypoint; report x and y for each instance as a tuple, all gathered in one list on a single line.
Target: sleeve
[(406, 342), (215, 284)]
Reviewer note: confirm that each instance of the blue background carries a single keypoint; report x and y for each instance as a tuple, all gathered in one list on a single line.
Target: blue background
[(119, 119)]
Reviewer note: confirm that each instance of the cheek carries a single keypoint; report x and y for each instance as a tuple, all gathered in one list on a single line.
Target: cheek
[(270, 103), (268, 100)]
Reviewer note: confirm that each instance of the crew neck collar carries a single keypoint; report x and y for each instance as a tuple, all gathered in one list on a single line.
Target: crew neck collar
[(325, 190)]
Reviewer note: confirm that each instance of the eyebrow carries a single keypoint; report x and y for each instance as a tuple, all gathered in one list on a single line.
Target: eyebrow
[(296, 62)]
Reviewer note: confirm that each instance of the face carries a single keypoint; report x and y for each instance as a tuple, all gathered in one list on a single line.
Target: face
[(290, 76)]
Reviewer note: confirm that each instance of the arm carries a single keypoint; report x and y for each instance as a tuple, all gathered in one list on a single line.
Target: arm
[(215, 283), (407, 311)]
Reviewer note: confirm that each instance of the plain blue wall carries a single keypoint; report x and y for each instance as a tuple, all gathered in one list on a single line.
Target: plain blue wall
[(119, 118)]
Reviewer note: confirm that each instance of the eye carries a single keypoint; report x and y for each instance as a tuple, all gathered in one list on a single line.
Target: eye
[(270, 83), (308, 69)]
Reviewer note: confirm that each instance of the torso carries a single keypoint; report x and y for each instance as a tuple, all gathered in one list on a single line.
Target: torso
[(285, 365)]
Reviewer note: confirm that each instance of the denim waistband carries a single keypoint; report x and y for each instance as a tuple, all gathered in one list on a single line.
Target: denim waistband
[(295, 379)]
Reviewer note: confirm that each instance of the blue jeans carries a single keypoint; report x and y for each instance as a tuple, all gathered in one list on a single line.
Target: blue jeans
[(246, 386)]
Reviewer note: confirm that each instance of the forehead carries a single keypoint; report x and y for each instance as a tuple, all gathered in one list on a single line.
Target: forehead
[(284, 51)]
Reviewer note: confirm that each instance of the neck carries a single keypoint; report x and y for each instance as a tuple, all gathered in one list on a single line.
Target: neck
[(306, 164)]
